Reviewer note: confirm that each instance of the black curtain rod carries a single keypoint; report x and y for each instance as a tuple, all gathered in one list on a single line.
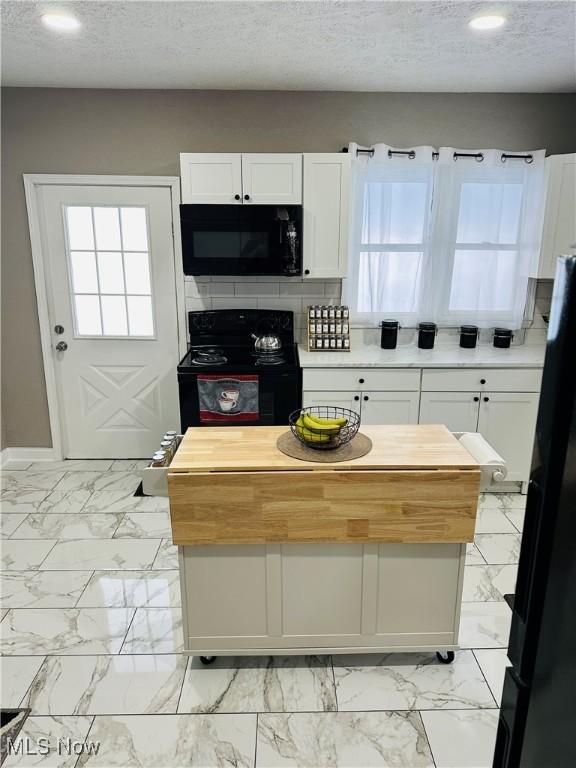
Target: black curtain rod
[(527, 158), (411, 154)]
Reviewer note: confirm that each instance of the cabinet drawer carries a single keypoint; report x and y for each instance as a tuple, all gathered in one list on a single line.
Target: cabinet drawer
[(481, 380), (356, 379)]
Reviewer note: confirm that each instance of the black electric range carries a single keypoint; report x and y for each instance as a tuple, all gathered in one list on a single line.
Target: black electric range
[(222, 380)]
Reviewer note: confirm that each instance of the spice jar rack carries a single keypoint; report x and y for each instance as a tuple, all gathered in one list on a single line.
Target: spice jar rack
[(328, 328)]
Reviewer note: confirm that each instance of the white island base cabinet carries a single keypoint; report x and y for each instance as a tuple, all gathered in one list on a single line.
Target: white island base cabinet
[(320, 598)]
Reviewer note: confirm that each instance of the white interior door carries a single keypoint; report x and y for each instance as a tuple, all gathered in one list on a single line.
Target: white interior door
[(111, 285)]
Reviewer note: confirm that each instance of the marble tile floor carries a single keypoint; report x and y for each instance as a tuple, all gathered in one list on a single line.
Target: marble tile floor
[(91, 640)]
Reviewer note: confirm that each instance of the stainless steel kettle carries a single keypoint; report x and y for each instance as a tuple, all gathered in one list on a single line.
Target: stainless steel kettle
[(268, 342)]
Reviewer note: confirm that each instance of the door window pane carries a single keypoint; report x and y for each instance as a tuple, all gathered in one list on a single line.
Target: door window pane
[(79, 224), (110, 272), (84, 279), (114, 315), (137, 271), (140, 315), (134, 230), (107, 227), (88, 321)]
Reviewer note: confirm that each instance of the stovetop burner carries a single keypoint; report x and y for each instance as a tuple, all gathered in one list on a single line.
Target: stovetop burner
[(276, 360), (209, 356), (269, 358)]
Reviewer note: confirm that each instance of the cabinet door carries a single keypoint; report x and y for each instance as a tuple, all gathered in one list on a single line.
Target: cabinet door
[(559, 234), (457, 410), (272, 179), (211, 178), (325, 237), (507, 421), (390, 407), (350, 400)]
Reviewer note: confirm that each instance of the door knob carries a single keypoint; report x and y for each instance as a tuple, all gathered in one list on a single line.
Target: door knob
[(236, 197), (61, 346), (58, 329), (246, 197)]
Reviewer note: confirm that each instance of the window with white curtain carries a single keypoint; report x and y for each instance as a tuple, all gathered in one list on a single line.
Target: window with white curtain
[(440, 237)]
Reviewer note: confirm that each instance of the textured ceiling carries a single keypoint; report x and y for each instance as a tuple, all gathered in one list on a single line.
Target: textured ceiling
[(305, 45)]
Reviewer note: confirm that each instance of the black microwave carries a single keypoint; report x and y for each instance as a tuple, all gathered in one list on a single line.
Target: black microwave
[(241, 239)]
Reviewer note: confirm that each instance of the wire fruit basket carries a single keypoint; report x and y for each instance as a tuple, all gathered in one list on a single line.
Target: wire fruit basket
[(335, 426)]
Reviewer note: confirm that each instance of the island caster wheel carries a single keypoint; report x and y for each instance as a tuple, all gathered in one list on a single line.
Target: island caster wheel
[(211, 659), (446, 657)]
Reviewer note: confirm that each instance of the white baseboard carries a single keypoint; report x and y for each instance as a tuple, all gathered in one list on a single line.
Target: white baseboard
[(9, 457)]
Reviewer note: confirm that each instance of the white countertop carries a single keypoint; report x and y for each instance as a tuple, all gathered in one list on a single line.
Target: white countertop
[(410, 356)]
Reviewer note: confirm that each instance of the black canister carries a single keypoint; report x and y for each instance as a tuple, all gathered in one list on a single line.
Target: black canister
[(389, 334), (468, 336), (503, 337), (426, 335)]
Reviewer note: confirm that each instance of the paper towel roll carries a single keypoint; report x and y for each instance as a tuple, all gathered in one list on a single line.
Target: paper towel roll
[(492, 464)]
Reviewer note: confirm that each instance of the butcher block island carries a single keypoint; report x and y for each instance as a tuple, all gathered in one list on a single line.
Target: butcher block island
[(280, 555)]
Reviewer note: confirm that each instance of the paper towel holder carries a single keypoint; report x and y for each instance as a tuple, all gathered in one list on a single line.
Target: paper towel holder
[(493, 471)]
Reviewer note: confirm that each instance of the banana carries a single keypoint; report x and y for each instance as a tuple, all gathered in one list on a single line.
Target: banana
[(315, 426), (338, 422), (308, 435)]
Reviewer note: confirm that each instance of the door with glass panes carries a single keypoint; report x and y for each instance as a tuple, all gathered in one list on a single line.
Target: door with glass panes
[(111, 284)]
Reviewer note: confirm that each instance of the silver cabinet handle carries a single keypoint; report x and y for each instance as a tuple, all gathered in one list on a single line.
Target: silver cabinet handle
[(61, 346)]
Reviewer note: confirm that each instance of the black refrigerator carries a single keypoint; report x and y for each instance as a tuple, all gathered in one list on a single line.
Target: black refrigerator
[(537, 727)]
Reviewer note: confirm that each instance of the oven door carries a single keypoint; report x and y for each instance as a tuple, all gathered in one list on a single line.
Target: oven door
[(278, 395), (241, 239)]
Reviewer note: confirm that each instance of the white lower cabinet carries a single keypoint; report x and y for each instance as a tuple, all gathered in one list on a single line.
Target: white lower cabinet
[(373, 407), (457, 410), (312, 598), (500, 403), (507, 420), (350, 400), (389, 407)]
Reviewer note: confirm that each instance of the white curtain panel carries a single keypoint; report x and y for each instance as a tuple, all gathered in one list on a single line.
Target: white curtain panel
[(450, 236), (390, 233), (487, 234)]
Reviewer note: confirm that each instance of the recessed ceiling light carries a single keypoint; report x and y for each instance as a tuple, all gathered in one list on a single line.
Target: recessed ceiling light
[(487, 22), (61, 21)]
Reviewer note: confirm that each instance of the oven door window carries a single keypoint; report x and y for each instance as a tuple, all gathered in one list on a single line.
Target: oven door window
[(278, 396)]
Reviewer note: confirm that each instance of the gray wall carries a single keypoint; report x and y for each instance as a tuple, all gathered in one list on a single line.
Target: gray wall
[(142, 132)]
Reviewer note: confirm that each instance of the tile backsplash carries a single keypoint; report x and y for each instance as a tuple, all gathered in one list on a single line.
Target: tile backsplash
[(292, 293), (296, 294)]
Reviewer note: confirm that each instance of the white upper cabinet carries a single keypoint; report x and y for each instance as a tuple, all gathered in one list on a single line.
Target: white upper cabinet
[(325, 237), (559, 234), (211, 178), (274, 179)]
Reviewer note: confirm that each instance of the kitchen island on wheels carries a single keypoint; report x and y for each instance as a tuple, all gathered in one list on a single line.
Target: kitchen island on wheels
[(281, 556)]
